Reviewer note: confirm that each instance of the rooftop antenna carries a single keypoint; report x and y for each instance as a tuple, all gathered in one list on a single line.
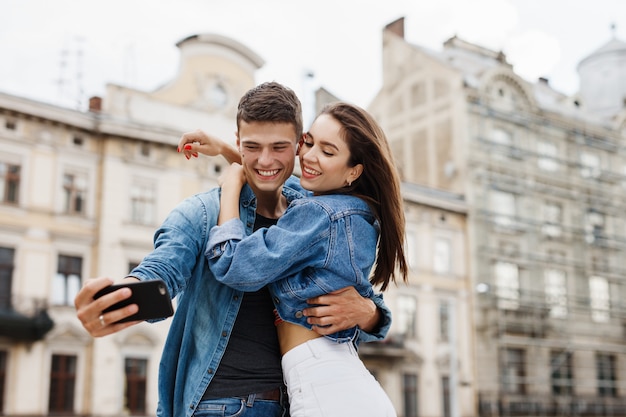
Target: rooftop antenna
[(80, 90), (70, 82), (613, 30), (61, 81), (308, 92), (130, 65)]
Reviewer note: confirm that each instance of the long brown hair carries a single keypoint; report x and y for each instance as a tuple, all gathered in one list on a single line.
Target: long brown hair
[(378, 184)]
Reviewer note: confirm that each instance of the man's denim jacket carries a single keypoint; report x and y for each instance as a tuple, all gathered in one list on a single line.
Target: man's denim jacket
[(206, 309), (321, 244)]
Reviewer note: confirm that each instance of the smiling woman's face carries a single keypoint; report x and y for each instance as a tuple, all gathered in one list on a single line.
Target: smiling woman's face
[(324, 156)]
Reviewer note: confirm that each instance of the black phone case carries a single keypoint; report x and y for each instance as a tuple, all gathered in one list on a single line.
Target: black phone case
[(151, 296)]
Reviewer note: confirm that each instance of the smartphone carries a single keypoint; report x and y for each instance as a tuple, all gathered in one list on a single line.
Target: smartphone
[(151, 296)]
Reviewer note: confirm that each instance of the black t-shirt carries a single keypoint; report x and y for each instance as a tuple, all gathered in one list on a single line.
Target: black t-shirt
[(251, 362)]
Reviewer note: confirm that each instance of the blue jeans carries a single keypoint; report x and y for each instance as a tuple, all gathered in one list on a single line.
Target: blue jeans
[(239, 407)]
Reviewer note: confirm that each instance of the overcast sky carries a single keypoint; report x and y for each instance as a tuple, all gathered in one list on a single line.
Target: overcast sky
[(63, 51)]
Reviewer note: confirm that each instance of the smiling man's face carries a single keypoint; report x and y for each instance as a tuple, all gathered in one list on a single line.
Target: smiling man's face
[(268, 152)]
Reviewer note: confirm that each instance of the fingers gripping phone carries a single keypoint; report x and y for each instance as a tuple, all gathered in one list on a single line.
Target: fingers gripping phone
[(151, 297)]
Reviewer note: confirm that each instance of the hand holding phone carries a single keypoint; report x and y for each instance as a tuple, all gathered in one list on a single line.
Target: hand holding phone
[(151, 297)]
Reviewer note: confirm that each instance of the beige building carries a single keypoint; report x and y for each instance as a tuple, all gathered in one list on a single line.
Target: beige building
[(425, 364), (514, 197), (81, 194), (544, 177)]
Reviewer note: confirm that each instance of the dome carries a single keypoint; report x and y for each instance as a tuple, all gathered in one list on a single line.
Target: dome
[(603, 79), (612, 47)]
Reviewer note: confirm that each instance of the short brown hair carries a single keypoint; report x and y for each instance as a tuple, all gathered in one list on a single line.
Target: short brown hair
[(271, 102)]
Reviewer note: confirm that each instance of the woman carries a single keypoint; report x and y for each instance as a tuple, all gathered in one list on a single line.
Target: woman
[(331, 240)]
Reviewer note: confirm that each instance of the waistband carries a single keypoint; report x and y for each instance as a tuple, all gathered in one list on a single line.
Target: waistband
[(272, 395), (320, 348)]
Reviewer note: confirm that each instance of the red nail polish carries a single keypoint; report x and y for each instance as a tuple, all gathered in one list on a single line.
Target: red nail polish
[(187, 147), (178, 149)]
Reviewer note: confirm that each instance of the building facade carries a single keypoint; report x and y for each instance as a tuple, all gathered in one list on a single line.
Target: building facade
[(544, 179), (426, 362), (81, 194)]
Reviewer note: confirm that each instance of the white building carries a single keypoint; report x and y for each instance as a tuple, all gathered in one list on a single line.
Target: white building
[(81, 194), (544, 179)]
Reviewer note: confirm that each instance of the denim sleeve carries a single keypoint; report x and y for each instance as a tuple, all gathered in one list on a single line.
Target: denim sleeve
[(248, 263), (179, 243), (381, 332)]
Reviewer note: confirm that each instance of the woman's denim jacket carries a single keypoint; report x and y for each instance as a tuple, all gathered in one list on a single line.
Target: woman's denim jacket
[(321, 244), (206, 309)]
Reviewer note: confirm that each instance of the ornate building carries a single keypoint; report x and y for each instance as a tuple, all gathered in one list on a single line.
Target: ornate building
[(81, 194), (543, 176), (425, 364)]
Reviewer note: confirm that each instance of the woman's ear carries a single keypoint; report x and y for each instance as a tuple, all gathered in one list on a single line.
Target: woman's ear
[(355, 173)]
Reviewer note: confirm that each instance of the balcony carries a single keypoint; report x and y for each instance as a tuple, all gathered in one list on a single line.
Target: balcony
[(504, 405), (392, 348), (525, 320), (26, 321)]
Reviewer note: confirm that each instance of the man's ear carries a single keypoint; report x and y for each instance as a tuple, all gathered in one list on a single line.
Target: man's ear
[(237, 142), (299, 144)]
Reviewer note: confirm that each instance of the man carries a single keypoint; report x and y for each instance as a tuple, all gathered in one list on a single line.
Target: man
[(222, 350)]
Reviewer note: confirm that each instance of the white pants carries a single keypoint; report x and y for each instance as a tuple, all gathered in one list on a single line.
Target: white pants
[(328, 379)]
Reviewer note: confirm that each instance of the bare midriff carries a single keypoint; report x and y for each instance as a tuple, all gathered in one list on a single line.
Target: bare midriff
[(291, 335)]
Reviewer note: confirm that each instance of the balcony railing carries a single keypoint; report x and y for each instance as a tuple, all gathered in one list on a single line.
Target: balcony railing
[(24, 321), (505, 405)]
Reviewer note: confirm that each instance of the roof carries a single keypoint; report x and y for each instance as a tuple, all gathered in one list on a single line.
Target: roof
[(612, 47)]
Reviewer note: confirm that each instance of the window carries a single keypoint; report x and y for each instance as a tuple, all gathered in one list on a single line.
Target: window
[(418, 94), (142, 203), (144, 149), (3, 377), (444, 321), (67, 281), (74, 192), (589, 165), (78, 141), (505, 96), (442, 258), (6, 277), (561, 373), (409, 390), (594, 227), (504, 145), (599, 299), (135, 394), (553, 218), (406, 317), (605, 371), (9, 183), (503, 204), (62, 383), (547, 156), (556, 292), (218, 96), (445, 396), (502, 137), (512, 369), (411, 247), (507, 285)]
